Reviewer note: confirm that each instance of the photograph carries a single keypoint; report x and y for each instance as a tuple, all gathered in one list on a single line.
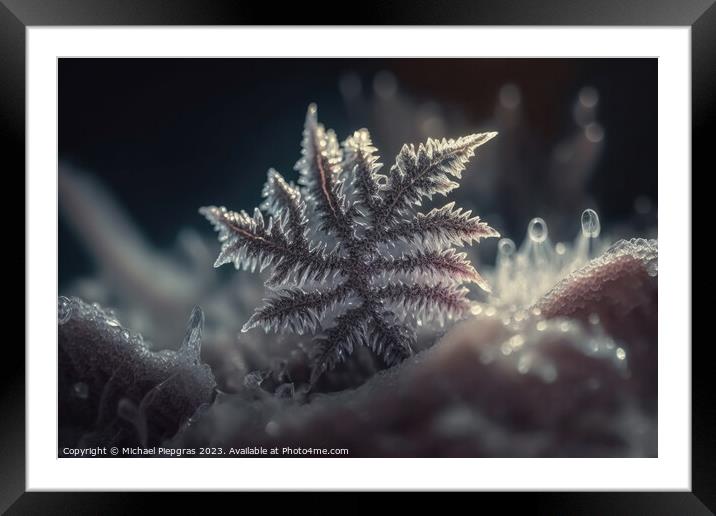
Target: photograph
[(412, 249), (357, 257)]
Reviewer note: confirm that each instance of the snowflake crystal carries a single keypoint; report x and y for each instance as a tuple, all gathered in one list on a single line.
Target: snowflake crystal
[(350, 260)]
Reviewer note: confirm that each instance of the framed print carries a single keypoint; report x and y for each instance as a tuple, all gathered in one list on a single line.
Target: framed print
[(419, 252)]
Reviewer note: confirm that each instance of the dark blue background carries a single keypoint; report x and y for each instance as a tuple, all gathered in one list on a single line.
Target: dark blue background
[(169, 135)]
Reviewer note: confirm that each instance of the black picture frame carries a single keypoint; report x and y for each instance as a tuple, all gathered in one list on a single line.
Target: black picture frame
[(17, 15)]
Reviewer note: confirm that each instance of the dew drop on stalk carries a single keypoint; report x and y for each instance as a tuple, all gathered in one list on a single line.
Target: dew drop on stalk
[(594, 132), (350, 86), (589, 97), (506, 248), (537, 230), (385, 85), (590, 224), (510, 96)]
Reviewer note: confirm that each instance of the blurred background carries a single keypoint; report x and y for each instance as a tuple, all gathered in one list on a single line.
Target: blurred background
[(166, 136)]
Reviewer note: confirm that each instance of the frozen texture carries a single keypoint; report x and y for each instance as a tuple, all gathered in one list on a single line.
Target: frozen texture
[(613, 281), (619, 291), (376, 267), (489, 388), (511, 381), (113, 390)]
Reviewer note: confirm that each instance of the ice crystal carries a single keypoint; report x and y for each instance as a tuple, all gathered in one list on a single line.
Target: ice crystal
[(350, 259), (614, 279)]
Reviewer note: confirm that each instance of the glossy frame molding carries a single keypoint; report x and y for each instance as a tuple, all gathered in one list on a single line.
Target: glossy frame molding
[(16, 15)]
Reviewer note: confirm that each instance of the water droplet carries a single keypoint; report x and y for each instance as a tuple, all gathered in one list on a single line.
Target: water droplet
[(506, 247), (385, 84), (537, 230), (621, 354), (541, 326), (272, 428), (560, 248), (350, 85), (652, 268), (588, 97), (510, 96), (590, 224), (81, 390), (127, 410), (64, 310), (523, 364), (594, 132), (594, 319), (517, 341)]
